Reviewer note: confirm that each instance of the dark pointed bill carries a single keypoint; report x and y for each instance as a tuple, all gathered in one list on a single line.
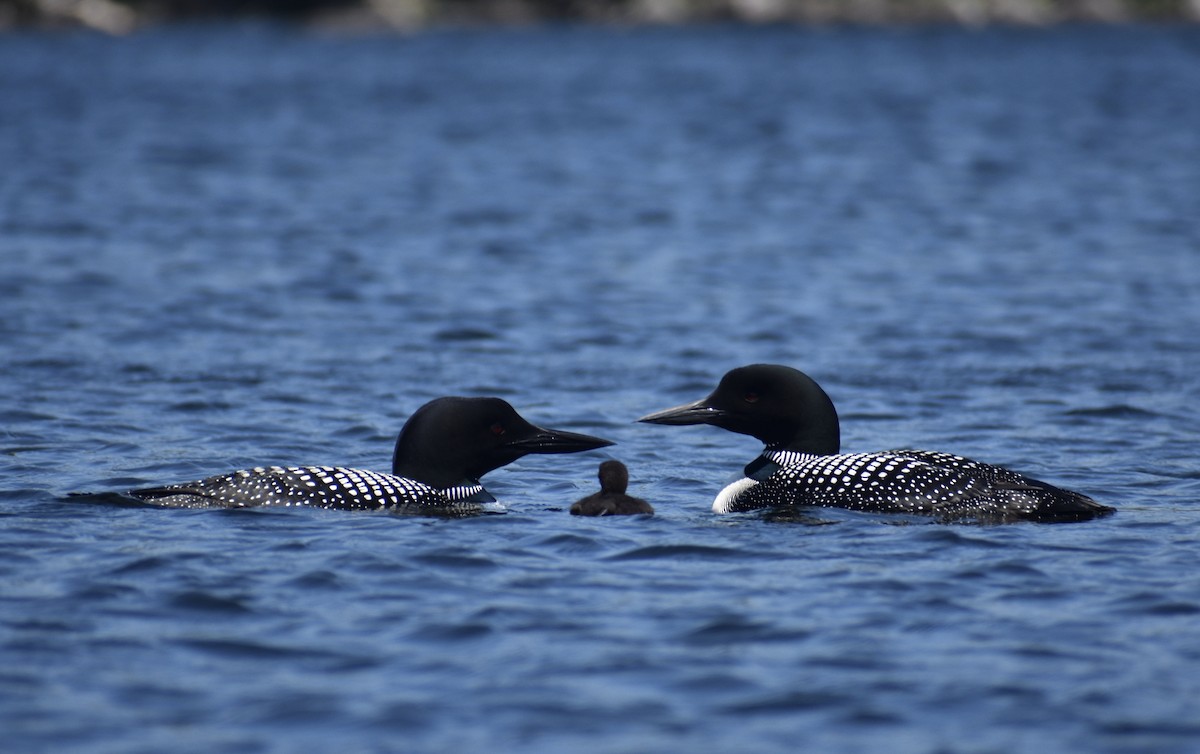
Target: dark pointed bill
[(698, 412), (557, 441)]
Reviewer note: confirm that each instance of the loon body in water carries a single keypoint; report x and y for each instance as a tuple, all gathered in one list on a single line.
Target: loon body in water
[(801, 464), (442, 451), (611, 500)]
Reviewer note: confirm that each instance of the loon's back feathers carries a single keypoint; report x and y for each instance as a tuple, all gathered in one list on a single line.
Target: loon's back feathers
[(944, 486), (440, 454), (317, 486), (801, 465)]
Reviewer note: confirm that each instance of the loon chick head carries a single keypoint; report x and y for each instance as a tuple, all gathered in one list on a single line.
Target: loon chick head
[(783, 407), (611, 500), (614, 477), (440, 454), (801, 465), (453, 440)]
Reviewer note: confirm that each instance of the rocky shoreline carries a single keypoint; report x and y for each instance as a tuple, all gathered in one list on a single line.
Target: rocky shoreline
[(122, 16)]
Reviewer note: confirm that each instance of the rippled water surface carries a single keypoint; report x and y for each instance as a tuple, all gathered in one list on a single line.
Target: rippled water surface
[(227, 246)]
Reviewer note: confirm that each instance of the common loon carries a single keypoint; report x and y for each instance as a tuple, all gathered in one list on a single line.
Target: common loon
[(441, 452), (611, 500), (801, 464)]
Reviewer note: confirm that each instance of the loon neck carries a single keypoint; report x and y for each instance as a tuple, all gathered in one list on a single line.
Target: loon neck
[(771, 450), (432, 470), (428, 466), (827, 443), (819, 435)]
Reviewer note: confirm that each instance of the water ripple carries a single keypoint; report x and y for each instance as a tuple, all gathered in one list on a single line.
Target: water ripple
[(209, 603), (789, 702), (685, 552), (736, 629)]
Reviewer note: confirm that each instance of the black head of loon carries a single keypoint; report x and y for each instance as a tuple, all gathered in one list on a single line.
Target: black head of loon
[(611, 500), (783, 407), (801, 466), (452, 441), (440, 455)]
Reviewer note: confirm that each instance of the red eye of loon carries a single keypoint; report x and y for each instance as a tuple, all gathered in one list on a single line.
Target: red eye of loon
[(751, 397), (497, 429)]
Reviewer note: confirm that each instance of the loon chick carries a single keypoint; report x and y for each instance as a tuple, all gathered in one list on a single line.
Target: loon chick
[(801, 464), (441, 452), (611, 500)]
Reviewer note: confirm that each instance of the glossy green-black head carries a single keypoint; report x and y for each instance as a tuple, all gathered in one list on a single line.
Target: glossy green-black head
[(783, 407), (449, 441)]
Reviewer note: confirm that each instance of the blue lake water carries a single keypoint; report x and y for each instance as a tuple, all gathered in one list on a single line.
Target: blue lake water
[(224, 246)]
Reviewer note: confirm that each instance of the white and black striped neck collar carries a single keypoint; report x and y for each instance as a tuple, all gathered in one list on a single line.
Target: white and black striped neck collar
[(470, 492)]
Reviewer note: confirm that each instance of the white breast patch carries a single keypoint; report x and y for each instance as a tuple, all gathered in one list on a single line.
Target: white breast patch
[(724, 501)]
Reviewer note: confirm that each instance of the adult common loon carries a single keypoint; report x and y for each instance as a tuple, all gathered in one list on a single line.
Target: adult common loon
[(441, 452), (801, 464), (611, 500)]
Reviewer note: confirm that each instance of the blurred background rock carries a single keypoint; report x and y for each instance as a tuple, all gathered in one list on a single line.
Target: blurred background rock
[(121, 16)]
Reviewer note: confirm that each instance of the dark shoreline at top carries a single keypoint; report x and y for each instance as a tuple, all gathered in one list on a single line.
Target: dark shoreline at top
[(122, 16)]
